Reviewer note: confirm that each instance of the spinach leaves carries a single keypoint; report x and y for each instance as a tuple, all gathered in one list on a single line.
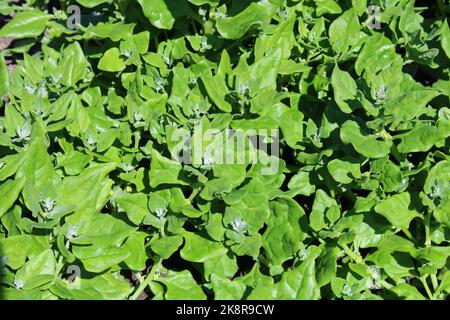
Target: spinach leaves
[(216, 149)]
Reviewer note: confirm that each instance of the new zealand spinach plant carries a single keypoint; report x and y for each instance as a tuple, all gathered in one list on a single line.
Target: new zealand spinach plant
[(114, 112)]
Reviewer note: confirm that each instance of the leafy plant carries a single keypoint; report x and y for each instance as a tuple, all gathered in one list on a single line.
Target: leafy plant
[(96, 204)]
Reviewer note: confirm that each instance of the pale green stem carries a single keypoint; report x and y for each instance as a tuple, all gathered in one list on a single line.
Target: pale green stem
[(408, 234), (143, 284), (351, 254), (386, 284), (427, 288), (427, 230), (194, 194), (434, 282)]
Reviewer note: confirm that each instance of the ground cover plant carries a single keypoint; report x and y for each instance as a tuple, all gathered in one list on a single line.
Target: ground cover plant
[(108, 187)]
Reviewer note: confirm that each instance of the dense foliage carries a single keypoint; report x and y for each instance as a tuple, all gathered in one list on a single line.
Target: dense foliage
[(94, 203)]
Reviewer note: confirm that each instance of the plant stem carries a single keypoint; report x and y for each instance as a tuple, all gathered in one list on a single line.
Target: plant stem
[(351, 254), (332, 193), (386, 284), (427, 230), (427, 288), (137, 138), (194, 194), (163, 233), (434, 282), (408, 234), (150, 277)]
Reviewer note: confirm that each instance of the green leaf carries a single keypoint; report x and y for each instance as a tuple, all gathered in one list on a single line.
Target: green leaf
[(114, 31), (323, 204), (397, 209), (344, 88), (163, 170), (223, 266), (17, 248), (286, 228), (445, 39), (215, 227), (103, 230), (166, 246), (73, 161), (292, 132), (105, 286), (234, 27), (407, 292), (420, 139), (4, 77), (225, 289), (360, 6), (199, 249), (9, 192), (217, 91), (86, 193), (98, 261), (391, 177), (410, 104), (344, 31), (367, 145), (157, 13), (135, 206), (444, 286), (73, 64), (327, 7), (26, 24), (111, 61), (37, 271), (182, 286), (299, 284), (300, 183), (344, 170), (262, 286), (92, 3), (202, 2), (136, 245), (376, 46), (326, 265)]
